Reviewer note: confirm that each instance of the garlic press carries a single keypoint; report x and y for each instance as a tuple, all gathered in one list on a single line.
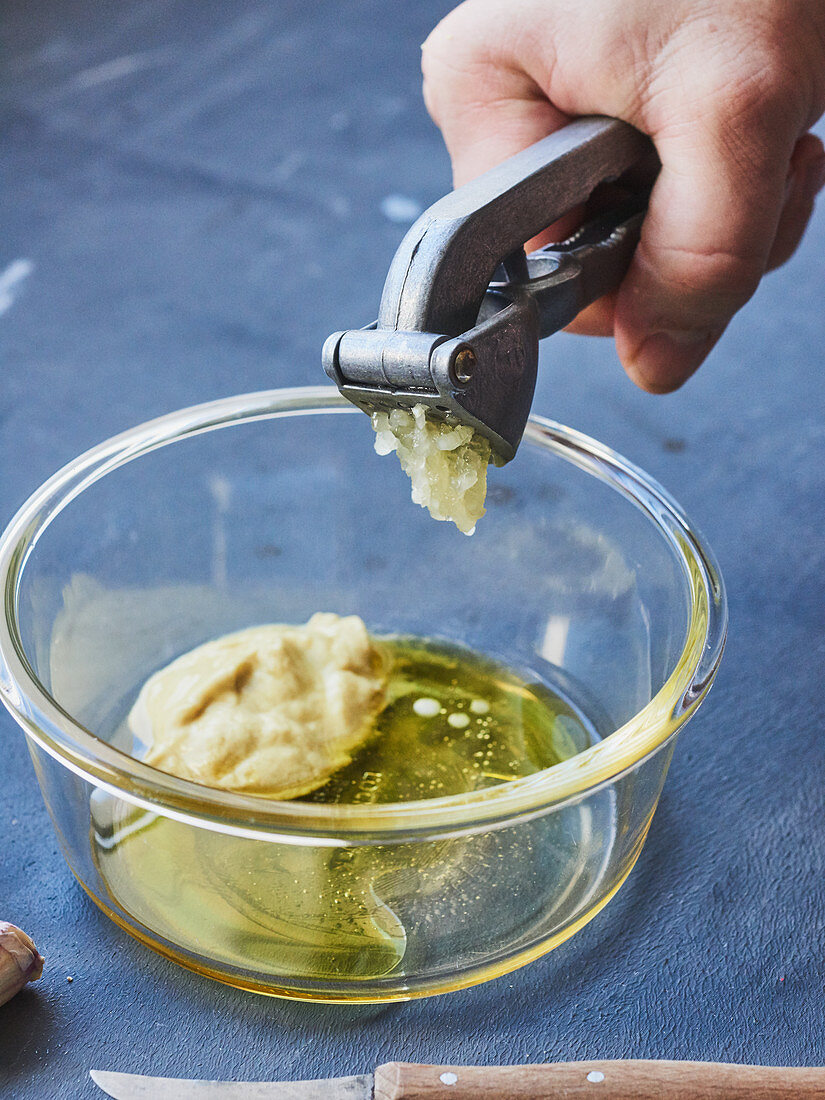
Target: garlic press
[(463, 308)]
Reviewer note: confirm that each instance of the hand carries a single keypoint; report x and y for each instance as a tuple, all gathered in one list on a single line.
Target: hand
[(727, 90)]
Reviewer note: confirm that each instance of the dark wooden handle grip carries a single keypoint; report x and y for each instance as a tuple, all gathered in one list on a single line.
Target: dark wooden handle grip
[(630, 1080)]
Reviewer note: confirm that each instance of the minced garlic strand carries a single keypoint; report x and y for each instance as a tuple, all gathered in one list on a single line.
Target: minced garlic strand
[(447, 463)]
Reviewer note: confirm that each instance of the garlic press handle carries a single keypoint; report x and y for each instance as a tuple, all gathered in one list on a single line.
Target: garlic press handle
[(562, 279), (443, 266), (467, 350)]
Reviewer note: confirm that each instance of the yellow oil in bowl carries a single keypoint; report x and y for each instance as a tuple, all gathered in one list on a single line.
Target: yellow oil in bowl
[(455, 722)]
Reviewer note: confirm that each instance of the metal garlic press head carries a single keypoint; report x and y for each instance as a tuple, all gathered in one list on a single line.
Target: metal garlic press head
[(463, 308)]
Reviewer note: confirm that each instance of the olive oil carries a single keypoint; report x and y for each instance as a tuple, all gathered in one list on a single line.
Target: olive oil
[(454, 722)]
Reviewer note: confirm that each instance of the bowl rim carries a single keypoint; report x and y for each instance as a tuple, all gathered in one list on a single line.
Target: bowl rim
[(110, 769)]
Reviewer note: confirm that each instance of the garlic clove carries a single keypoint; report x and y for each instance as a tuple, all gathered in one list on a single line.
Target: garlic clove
[(20, 961)]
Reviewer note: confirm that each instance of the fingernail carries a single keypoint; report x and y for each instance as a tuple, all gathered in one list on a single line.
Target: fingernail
[(815, 175), (664, 360)]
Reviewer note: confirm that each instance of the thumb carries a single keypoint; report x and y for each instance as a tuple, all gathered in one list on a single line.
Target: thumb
[(705, 244)]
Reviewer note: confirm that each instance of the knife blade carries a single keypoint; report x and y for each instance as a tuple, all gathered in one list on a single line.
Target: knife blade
[(134, 1086), (619, 1080)]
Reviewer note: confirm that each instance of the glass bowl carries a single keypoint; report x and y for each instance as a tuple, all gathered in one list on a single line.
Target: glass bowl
[(271, 506)]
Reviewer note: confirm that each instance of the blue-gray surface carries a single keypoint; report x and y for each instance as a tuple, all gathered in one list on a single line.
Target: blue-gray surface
[(197, 193)]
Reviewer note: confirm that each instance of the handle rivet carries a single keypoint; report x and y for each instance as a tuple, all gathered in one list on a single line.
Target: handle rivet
[(448, 1078), (595, 1076), (464, 364)]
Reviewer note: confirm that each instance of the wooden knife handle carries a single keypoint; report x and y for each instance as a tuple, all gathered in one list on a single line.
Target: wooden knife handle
[(625, 1080)]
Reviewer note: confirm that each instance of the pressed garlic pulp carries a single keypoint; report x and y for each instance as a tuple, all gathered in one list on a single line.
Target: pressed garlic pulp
[(447, 463), (272, 710)]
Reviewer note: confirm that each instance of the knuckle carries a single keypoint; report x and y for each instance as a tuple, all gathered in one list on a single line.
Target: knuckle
[(754, 69), (472, 67), (761, 95), (452, 41), (435, 46), (745, 113), (744, 75), (447, 59)]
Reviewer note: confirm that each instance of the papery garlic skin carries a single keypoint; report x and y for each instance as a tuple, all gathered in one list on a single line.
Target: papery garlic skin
[(446, 463), (20, 961)]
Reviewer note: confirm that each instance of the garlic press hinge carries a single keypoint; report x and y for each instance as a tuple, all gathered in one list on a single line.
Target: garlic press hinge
[(484, 378)]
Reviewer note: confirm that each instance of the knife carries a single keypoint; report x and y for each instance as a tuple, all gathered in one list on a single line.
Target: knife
[(620, 1080)]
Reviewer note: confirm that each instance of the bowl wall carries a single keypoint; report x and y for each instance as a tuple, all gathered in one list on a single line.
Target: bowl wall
[(375, 922), (276, 512)]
